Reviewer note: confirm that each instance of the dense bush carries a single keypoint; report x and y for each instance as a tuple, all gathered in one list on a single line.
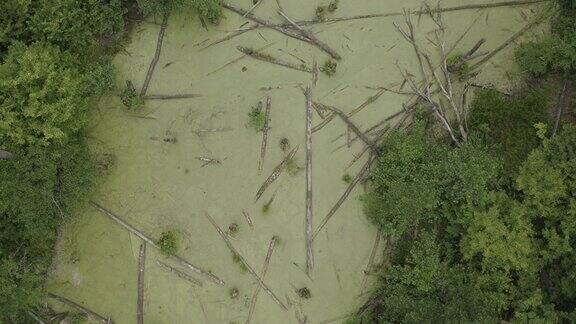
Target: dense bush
[(507, 123), (467, 251), (209, 9)]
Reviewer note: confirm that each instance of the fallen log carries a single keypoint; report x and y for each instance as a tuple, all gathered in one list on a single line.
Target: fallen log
[(5, 155), (263, 272), (148, 240), (250, 269), (309, 249), (270, 59), (179, 273), (345, 195), (156, 56), (371, 258), (168, 97), (80, 308), (140, 302), (230, 36), (265, 134), (275, 173)]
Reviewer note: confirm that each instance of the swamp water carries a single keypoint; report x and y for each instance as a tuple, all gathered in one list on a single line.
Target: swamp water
[(158, 186)]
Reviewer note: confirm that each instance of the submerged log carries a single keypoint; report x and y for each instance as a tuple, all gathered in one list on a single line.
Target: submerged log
[(309, 249), (275, 173), (80, 308), (238, 59), (156, 56), (265, 134), (140, 301), (263, 272), (175, 96), (179, 273), (345, 195), (148, 240), (267, 58), (243, 260)]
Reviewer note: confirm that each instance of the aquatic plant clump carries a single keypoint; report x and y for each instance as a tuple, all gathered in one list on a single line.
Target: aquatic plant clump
[(322, 11), (347, 178), (257, 118), (284, 144), (304, 293), (168, 243), (292, 167), (329, 68), (456, 65), (131, 100)]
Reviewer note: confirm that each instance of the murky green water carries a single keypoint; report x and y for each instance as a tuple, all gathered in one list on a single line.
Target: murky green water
[(158, 186)]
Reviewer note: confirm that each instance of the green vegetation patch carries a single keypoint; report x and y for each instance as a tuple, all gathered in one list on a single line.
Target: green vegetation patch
[(168, 242)]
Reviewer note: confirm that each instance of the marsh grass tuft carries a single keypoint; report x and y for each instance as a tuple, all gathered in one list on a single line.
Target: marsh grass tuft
[(257, 118), (168, 243), (293, 167), (329, 68), (131, 100), (347, 178), (284, 144)]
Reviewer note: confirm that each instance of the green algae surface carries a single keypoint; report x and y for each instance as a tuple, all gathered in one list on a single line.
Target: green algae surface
[(159, 186)]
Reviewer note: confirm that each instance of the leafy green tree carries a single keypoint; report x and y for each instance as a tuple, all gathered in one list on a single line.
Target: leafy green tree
[(41, 96)]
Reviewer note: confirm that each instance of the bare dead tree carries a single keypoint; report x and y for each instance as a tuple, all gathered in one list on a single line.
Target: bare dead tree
[(438, 93)]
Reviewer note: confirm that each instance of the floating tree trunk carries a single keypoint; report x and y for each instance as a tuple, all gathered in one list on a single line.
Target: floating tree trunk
[(265, 134), (141, 267), (309, 248), (80, 308), (263, 272)]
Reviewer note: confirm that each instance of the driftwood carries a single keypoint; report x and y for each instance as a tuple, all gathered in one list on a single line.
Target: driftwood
[(36, 317), (148, 240), (5, 155), (267, 58), (248, 219), (313, 39), (263, 272), (238, 59), (80, 308), (168, 97), (179, 273), (345, 195), (275, 173), (141, 267), (560, 105), (309, 249), (355, 129), (250, 269), (156, 56), (265, 134), (371, 258)]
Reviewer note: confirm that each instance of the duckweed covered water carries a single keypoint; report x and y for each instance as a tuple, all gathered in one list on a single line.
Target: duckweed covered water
[(159, 186)]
